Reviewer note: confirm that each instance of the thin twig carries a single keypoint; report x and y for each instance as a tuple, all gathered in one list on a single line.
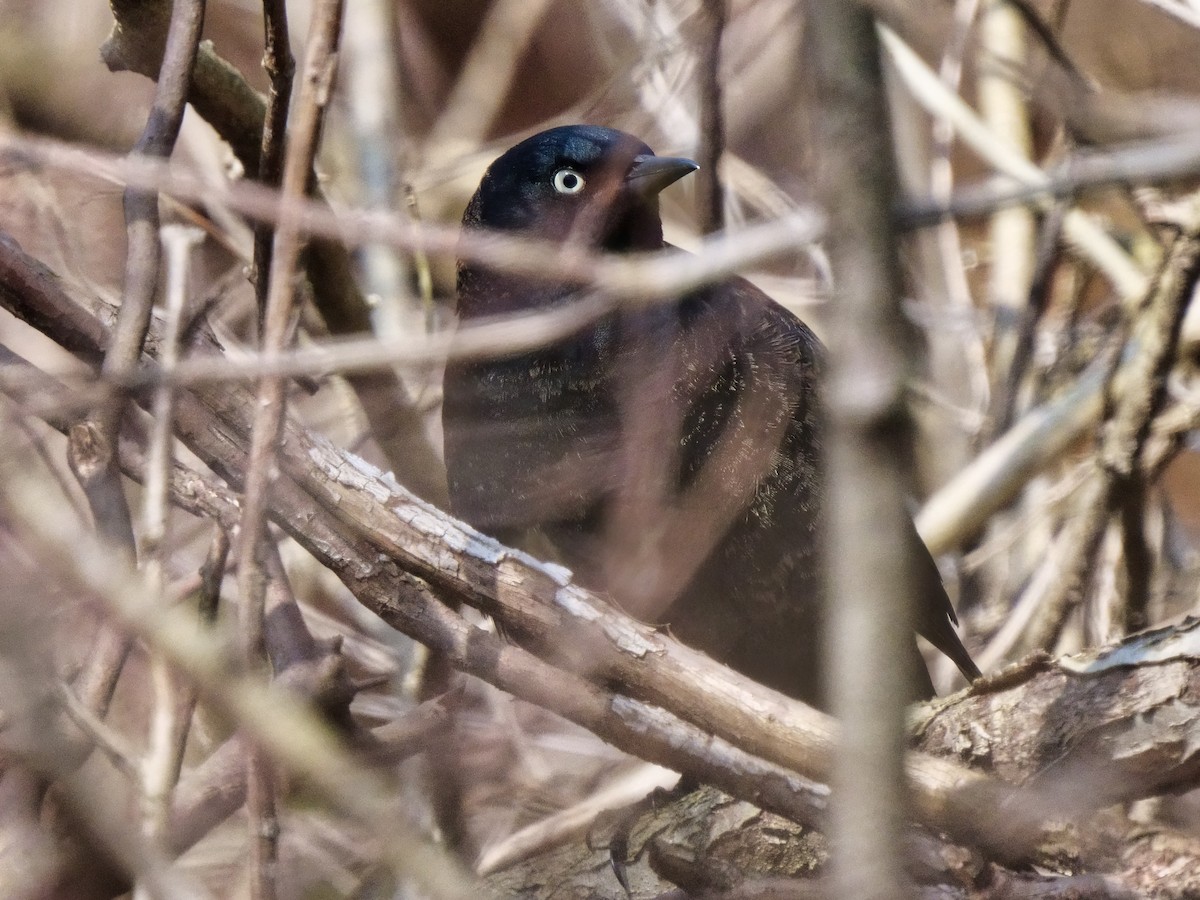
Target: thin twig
[(415, 731), (1136, 399), (946, 236), (222, 96), (1012, 231), (328, 500), (280, 67), (110, 741), (93, 444), (373, 97), (141, 206), (260, 792), (281, 298), (1137, 162), (1045, 265), (656, 275), (283, 725), (168, 733), (270, 411), (574, 822), (710, 196), (963, 505), (1081, 231)]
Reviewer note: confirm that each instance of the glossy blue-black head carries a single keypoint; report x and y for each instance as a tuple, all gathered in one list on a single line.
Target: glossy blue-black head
[(578, 182)]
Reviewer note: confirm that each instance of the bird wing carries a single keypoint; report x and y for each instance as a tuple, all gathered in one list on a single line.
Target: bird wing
[(769, 351)]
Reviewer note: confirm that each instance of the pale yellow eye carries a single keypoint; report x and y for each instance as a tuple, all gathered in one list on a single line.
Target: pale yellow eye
[(568, 181)]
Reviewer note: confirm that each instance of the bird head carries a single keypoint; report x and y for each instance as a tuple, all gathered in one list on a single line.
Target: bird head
[(581, 183)]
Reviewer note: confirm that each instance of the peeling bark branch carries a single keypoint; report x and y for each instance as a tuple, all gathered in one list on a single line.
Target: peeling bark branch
[(357, 522), (347, 514)]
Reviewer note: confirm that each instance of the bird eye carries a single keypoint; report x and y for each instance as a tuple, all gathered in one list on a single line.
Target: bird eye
[(568, 181)]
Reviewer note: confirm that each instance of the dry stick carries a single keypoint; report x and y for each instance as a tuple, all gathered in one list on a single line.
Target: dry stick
[(946, 237), (959, 509), (871, 575), (1022, 609), (576, 821), (271, 410), (1138, 162), (964, 505), (648, 731), (531, 598), (213, 792), (710, 197), (288, 641), (221, 95), (93, 444), (372, 95), (413, 732), (91, 803), (545, 606), (483, 83), (373, 92), (1045, 265), (81, 829), (540, 602), (318, 75), (1012, 231), (1081, 232), (216, 788), (141, 213), (280, 67), (636, 278), (218, 91), (192, 492), (114, 745), (1137, 400), (171, 711), (210, 793), (199, 496), (291, 732), (207, 598), (1005, 406), (49, 457)]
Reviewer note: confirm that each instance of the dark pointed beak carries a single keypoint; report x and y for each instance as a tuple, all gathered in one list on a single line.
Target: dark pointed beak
[(650, 174)]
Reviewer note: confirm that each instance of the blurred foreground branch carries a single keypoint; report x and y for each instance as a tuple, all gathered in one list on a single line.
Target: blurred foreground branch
[(362, 525)]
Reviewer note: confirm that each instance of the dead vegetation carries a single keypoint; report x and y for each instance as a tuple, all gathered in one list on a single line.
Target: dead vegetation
[(247, 653)]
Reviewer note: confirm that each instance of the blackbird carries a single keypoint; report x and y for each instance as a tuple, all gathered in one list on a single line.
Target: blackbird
[(670, 453)]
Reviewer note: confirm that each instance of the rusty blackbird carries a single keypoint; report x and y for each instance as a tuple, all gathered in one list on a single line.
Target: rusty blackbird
[(669, 452)]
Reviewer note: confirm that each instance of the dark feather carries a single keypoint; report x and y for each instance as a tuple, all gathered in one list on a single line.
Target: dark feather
[(672, 454)]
